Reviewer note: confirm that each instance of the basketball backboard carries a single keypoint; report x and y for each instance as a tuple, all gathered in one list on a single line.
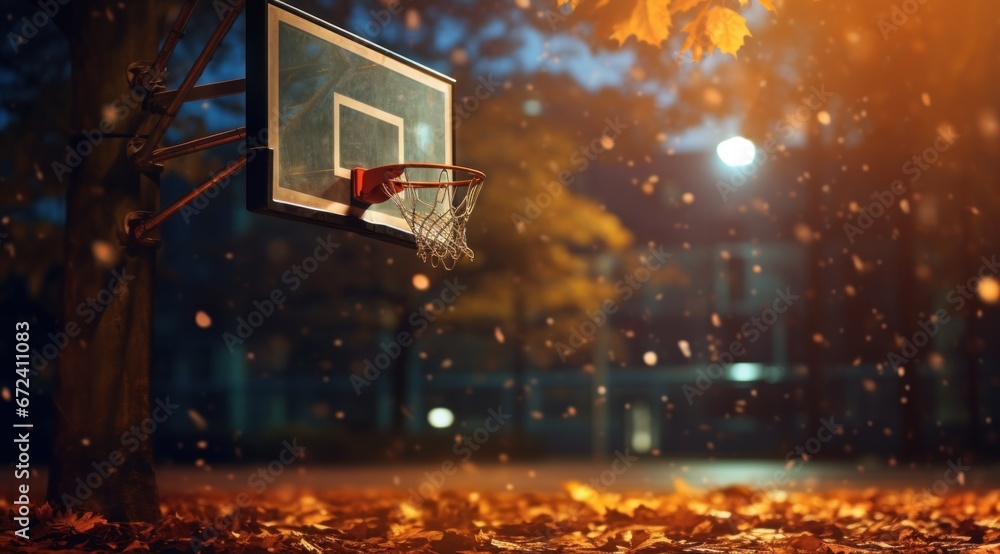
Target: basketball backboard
[(331, 101)]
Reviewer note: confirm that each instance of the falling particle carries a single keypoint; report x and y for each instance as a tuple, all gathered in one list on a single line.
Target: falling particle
[(421, 282), (571, 411), (649, 358), (446, 363), (6, 394), (202, 319), (904, 205), (498, 334), (251, 355), (712, 96), (535, 414), (869, 385), (757, 268), (198, 421), (601, 390), (510, 486), (85, 441), (503, 458), (859, 264), (229, 255), (202, 445), (716, 320), (818, 338), (685, 348), (104, 253), (459, 56), (823, 117), (339, 414), (989, 290), (926, 99), (803, 233), (607, 142), (523, 4), (687, 198), (412, 19), (849, 290)]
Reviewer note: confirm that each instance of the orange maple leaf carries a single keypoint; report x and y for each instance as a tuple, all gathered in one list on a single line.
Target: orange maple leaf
[(726, 29), (650, 22)]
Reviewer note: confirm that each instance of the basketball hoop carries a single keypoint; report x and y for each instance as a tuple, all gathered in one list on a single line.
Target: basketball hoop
[(438, 220)]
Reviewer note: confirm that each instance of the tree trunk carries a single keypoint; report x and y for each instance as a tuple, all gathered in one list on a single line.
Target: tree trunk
[(103, 459)]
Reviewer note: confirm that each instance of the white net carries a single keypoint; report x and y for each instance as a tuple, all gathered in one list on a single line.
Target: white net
[(437, 213)]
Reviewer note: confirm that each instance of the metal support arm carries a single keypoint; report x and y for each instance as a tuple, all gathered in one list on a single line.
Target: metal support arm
[(139, 225), (159, 102), (143, 148), (197, 145)]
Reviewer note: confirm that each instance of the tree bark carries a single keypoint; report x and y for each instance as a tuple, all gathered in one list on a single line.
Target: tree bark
[(103, 459)]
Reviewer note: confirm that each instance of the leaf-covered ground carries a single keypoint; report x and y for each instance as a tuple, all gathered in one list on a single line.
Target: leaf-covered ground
[(734, 519)]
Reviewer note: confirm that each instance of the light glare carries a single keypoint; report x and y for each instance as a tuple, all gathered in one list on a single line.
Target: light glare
[(736, 152), (440, 418)]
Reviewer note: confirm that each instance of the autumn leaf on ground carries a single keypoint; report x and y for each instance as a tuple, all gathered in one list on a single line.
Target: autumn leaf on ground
[(649, 22), (80, 523), (726, 29)]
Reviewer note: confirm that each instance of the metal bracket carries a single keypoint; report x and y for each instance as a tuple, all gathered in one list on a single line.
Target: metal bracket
[(140, 75), (137, 234)]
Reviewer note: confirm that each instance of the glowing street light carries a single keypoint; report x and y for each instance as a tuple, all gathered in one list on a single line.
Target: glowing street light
[(440, 418), (736, 152)]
